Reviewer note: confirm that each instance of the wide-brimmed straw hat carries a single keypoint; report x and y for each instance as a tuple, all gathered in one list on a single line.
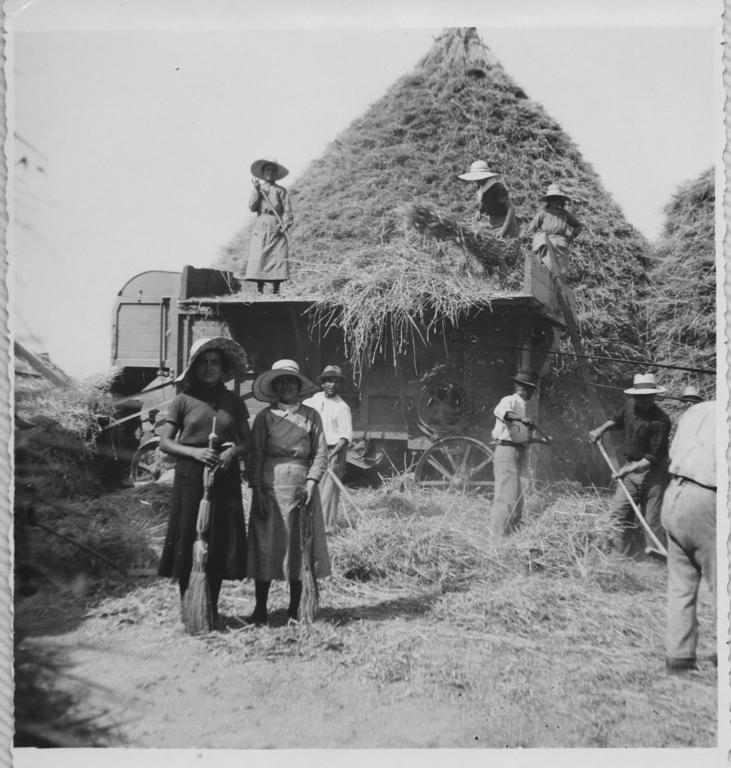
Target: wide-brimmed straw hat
[(526, 377), (691, 395), (644, 384), (555, 191), (257, 168), (477, 172), (263, 389), (235, 357), (331, 372)]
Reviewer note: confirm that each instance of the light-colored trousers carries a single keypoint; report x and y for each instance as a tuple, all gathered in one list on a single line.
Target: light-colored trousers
[(509, 465), (329, 492), (689, 517)]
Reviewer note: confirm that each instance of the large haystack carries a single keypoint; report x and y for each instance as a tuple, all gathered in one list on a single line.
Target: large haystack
[(457, 105), (682, 306)]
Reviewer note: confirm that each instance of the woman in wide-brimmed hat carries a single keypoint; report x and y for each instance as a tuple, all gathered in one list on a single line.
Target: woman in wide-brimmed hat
[(554, 222), (203, 407), (269, 248), (495, 211), (288, 460)]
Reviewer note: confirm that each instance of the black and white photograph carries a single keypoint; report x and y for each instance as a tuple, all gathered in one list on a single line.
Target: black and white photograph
[(368, 379)]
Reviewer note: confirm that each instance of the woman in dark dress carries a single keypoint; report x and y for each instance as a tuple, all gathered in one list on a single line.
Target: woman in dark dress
[(203, 407)]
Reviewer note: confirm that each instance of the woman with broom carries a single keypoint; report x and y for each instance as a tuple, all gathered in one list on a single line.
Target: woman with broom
[(207, 430), (289, 456)]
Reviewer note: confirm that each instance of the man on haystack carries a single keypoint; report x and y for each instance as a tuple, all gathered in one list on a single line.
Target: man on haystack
[(510, 462), (646, 430), (495, 210), (337, 426)]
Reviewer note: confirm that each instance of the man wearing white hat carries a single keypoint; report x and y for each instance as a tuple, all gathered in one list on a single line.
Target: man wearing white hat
[(646, 429), (495, 210), (337, 426), (691, 395)]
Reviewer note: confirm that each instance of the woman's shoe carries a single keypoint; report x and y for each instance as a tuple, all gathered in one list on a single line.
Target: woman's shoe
[(259, 618)]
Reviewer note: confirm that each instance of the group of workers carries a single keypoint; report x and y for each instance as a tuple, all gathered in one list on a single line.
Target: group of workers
[(672, 485), (294, 451), (269, 246)]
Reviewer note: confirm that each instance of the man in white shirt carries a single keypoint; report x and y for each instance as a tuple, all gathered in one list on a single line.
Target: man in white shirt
[(689, 517), (337, 426), (511, 433)]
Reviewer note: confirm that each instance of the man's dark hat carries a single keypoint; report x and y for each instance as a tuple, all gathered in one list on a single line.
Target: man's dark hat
[(526, 377), (331, 372)]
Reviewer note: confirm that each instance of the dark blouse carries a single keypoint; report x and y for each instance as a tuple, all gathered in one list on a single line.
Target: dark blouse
[(193, 417), (647, 435)]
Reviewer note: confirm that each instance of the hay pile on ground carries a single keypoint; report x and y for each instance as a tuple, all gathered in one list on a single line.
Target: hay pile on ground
[(407, 149), (682, 307)]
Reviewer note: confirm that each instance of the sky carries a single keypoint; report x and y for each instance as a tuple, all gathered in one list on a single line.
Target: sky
[(135, 123)]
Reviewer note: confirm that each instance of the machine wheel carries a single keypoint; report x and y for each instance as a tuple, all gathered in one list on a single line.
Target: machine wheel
[(149, 462), (456, 464)]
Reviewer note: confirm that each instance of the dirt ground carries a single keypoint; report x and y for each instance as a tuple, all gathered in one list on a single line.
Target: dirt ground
[(378, 669)]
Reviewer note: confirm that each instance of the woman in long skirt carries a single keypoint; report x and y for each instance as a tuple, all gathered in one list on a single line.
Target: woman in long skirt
[(269, 247), (289, 456), (203, 406)]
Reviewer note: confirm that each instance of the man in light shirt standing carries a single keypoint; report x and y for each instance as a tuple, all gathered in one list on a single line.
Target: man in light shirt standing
[(337, 426), (689, 517), (511, 433)]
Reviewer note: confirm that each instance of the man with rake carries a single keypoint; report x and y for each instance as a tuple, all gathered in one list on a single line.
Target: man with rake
[(646, 432)]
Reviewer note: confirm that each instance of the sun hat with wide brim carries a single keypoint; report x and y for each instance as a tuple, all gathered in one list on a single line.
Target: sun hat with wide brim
[(263, 385), (257, 168), (555, 191), (691, 395), (334, 372), (526, 377), (235, 362), (477, 172), (644, 384)]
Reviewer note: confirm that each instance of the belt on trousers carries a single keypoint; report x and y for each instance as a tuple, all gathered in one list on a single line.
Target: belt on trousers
[(511, 444), (268, 213), (683, 478)]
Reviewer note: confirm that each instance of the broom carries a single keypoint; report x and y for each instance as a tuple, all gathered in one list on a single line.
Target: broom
[(310, 593), (197, 607)]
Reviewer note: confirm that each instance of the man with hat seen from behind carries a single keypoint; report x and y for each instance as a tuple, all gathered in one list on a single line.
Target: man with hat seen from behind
[(646, 432), (691, 395), (511, 433), (269, 248), (495, 211), (554, 222), (689, 517), (337, 426)]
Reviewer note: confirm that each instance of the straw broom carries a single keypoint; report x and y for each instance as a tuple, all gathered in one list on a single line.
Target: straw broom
[(310, 593), (197, 607)]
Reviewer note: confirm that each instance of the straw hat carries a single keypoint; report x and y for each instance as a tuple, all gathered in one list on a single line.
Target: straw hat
[(263, 389), (555, 191), (331, 372), (235, 362), (691, 395), (257, 168), (526, 377), (478, 171), (644, 384)]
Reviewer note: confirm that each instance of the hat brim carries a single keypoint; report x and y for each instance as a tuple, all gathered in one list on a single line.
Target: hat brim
[(235, 357), (559, 196), (477, 175), (264, 391), (330, 377), (524, 382), (644, 391), (257, 168), (692, 399)]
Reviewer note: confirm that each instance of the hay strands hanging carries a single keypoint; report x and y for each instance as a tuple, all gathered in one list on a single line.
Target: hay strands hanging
[(310, 593)]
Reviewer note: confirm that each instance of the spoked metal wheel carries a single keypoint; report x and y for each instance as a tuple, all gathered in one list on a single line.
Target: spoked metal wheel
[(149, 462), (457, 464)]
